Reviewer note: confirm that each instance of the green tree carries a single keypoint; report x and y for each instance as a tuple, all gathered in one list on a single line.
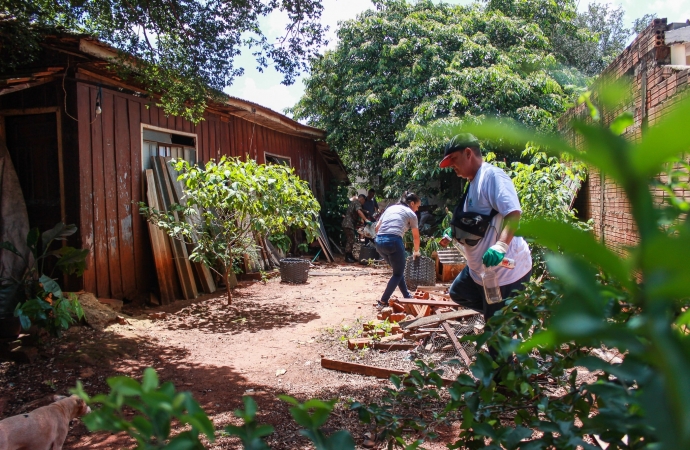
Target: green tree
[(405, 66), (230, 202), (603, 36), (182, 47)]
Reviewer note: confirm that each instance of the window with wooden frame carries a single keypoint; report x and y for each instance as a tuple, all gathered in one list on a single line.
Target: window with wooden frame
[(276, 159), (168, 143)]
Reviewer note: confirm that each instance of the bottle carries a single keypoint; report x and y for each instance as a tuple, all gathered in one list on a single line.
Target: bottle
[(492, 290)]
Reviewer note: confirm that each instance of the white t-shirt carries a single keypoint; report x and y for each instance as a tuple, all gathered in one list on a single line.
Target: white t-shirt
[(492, 188), (397, 219)]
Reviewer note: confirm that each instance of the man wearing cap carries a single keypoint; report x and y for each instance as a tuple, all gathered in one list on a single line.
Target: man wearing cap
[(490, 195)]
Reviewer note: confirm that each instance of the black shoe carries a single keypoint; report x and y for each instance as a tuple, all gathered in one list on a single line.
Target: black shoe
[(349, 258)]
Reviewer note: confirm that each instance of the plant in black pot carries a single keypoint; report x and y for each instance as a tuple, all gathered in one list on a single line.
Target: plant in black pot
[(35, 297)]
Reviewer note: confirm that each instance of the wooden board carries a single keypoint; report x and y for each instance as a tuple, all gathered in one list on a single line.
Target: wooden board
[(86, 196), (454, 340), (362, 369), (179, 250), (161, 256), (202, 272), (324, 249), (337, 248), (440, 288), (434, 319), (110, 176), (414, 301), (324, 238), (124, 199)]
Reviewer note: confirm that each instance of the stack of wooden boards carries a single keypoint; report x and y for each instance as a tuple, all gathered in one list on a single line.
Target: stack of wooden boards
[(410, 320), (177, 276)]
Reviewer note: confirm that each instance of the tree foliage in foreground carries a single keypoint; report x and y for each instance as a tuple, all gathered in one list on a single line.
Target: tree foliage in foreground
[(183, 47), (229, 203)]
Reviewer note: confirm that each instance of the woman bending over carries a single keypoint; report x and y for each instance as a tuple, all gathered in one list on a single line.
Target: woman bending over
[(391, 227)]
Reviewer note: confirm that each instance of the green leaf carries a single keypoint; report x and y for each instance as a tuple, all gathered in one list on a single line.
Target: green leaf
[(124, 386), (621, 122), (60, 231), (150, 380), (663, 141), (50, 285), (341, 440), (559, 236)]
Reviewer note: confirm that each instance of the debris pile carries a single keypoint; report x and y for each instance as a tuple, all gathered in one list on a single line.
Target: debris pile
[(428, 326)]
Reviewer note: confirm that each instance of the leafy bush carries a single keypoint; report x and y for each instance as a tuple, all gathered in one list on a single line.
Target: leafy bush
[(38, 297), (228, 202), (281, 241), (155, 406)]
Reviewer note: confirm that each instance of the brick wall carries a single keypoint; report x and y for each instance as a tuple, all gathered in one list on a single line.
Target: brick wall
[(655, 87)]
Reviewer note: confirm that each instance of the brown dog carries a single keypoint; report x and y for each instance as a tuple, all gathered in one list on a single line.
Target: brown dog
[(44, 428)]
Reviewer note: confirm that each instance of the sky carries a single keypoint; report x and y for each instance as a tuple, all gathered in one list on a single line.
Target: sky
[(265, 87)]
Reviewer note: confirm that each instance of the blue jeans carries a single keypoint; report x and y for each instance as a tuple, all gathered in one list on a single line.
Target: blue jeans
[(469, 294), (392, 250)]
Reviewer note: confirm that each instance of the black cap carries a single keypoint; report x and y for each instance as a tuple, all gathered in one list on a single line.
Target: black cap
[(458, 142)]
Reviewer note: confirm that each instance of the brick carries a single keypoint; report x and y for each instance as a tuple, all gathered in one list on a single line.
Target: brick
[(397, 317)]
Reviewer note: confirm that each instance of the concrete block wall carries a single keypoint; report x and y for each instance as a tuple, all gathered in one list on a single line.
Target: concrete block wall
[(655, 87)]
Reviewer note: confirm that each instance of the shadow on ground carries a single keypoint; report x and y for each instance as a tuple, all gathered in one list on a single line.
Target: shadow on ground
[(213, 315)]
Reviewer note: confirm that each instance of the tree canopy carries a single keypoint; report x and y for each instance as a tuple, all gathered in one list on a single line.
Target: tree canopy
[(184, 47), (406, 66)]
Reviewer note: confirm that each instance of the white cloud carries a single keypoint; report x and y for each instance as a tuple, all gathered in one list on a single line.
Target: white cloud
[(274, 96)]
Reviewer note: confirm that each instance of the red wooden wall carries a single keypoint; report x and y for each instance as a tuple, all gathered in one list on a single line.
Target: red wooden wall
[(120, 264)]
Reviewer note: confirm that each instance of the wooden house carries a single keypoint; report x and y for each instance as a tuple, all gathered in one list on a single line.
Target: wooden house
[(79, 166)]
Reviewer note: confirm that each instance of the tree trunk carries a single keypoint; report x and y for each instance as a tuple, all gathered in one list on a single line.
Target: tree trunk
[(228, 287)]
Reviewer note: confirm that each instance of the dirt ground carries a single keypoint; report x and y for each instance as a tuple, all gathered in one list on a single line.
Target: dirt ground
[(219, 354)]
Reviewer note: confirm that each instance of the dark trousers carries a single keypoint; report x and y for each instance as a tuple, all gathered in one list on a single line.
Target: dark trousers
[(350, 239), (465, 292), (392, 250)]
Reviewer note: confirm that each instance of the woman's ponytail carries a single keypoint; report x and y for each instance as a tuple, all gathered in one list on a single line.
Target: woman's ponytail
[(409, 197)]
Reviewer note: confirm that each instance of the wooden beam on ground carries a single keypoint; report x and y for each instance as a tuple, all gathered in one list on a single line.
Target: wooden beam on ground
[(435, 319), (388, 343), (414, 301), (362, 369), (454, 340), (441, 288)]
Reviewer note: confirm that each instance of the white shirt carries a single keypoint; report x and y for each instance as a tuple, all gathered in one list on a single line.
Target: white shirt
[(492, 188), (397, 219)]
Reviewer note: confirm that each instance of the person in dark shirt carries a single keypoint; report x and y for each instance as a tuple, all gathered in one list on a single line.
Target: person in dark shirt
[(370, 206)]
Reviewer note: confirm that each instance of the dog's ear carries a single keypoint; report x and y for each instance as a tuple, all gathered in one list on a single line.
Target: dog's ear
[(58, 397), (82, 408)]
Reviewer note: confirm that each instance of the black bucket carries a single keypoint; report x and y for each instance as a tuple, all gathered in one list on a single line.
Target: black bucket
[(294, 270)]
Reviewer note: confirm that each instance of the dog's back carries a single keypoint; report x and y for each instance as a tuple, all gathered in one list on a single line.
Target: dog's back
[(42, 429)]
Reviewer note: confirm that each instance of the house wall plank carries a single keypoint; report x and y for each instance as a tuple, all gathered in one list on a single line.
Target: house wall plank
[(111, 200)]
